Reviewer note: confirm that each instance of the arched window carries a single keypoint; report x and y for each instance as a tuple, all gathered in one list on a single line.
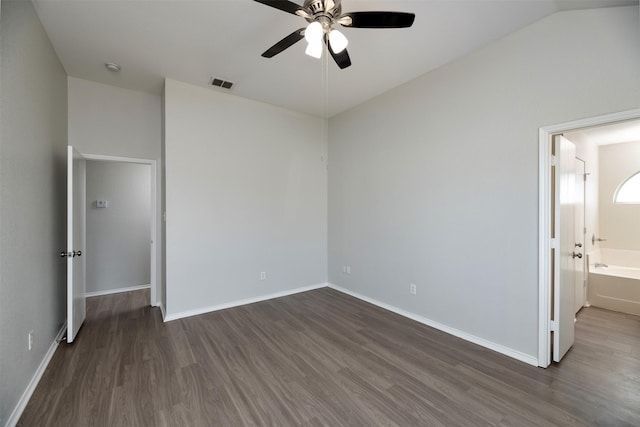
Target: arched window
[(629, 190)]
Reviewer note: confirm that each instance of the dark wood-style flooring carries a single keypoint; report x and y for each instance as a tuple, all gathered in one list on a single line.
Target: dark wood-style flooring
[(322, 358)]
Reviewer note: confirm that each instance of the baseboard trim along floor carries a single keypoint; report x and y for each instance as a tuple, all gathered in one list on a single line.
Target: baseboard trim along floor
[(526, 358), (24, 399), (203, 310), (115, 291)]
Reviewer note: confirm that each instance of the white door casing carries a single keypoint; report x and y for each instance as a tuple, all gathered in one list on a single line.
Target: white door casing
[(580, 263), (545, 220), (564, 255), (154, 232), (76, 225)]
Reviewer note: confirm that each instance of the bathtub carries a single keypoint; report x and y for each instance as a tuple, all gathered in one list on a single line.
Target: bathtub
[(617, 286)]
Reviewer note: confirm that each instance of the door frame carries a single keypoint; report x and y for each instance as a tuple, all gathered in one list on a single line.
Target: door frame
[(583, 212), (545, 136), (155, 199)]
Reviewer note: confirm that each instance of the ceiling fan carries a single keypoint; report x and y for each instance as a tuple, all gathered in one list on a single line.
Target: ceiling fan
[(322, 15)]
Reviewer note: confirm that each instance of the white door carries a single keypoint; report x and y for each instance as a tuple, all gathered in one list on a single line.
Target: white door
[(580, 236), (76, 225), (564, 293)]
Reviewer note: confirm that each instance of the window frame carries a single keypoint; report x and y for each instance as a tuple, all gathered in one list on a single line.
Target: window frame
[(633, 177)]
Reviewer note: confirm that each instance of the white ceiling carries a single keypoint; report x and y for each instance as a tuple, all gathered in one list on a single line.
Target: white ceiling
[(616, 133), (192, 41)]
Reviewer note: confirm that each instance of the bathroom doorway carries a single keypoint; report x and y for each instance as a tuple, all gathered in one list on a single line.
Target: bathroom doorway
[(551, 256), (613, 249)]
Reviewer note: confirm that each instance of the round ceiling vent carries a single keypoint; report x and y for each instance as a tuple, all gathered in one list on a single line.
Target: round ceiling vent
[(112, 66)]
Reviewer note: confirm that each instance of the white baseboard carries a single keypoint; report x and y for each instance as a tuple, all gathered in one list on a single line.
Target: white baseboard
[(31, 387), (22, 403), (116, 291), (518, 355), (189, 313), (526, 358), (162, 310)]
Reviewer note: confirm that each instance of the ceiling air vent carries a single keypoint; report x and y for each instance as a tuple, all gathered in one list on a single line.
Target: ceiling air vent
[(221, 83)]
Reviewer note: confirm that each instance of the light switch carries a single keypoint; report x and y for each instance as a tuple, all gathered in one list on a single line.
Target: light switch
[(101, 203)]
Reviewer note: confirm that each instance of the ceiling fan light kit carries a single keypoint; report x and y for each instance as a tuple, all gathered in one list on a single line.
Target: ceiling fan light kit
[(314, 32), (313, 35), (321, 16), (314, 49), (338, 41)]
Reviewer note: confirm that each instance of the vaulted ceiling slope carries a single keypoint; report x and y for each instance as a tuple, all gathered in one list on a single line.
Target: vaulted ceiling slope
[(192, 41)]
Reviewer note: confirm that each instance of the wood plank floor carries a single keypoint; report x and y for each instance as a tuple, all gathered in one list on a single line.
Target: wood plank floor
[(322, 358)]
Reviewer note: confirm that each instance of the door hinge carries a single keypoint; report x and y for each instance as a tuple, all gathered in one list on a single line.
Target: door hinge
[(553, 161), (554, 243), (553, 326)]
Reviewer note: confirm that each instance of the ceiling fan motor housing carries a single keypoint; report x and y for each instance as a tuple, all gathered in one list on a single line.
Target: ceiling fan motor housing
[(321, 16), (328, 8)]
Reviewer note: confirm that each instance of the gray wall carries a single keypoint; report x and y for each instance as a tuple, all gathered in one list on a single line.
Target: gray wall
[(436, 182), (113, 121), (245, 193), (33, 139), (619, 223), (118, 236)]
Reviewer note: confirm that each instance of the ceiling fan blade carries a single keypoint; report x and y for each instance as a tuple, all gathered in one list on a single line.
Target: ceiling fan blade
[(328, 5), (285, 43), (377, 19), (342, 58), (285, 5)]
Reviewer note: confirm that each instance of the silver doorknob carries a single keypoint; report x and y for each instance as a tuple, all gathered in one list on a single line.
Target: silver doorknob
[(578, 245), (79, 253), (576, 255), (63, 254)]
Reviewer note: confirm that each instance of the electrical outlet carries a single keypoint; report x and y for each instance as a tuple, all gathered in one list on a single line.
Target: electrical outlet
[(344, 269), (348, 269), (263, 275), (30, 338), (413, 290)]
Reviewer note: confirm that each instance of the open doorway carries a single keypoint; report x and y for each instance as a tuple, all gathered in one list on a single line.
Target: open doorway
[(613, 242), (121, 226), (553, 256)]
